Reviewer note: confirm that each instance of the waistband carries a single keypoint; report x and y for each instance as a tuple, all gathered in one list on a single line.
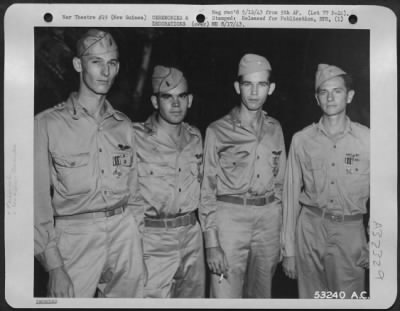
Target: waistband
[(95, 214), (333, 216), (242, 200), (179, 221)]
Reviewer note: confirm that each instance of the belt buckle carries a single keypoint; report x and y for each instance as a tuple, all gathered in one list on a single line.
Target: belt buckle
[(336, 218), (110, 213)]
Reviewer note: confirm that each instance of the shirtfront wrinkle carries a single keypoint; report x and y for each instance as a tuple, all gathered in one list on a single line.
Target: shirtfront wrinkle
[(328, 173), (169, 173), (89, 166), (240, 161)]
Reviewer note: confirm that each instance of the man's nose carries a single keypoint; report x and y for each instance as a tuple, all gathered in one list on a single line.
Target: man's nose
[(175, 101), (254, 89), (106, 70)]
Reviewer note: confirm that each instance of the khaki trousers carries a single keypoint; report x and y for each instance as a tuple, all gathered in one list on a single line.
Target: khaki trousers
[(108, 245), (175, 263), (328, 255), (250, 238)]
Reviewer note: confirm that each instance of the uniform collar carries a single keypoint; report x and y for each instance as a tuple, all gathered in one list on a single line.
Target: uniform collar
[(237, 122), (347, 127), (151, 126), (77, 111)]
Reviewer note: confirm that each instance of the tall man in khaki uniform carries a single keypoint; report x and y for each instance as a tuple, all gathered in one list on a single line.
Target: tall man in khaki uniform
[(84, 152), (169, 154), (244, 164), (325, 195)]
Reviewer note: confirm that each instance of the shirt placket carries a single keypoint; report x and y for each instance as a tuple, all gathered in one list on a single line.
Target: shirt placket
[(333, 171), (103, 157)]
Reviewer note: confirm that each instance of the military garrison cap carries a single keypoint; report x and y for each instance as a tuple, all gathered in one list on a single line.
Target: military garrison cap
[(326, 72), (250, 63), (95, 42), (166, 78)]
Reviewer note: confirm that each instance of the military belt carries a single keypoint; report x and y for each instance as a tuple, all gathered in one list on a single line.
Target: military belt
[(175, 222), (334, 217), (95, 214), (242, 200)]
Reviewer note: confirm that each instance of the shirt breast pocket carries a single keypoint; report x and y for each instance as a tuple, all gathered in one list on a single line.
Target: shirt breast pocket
[(356, 176), (317, 181), (73, 173)]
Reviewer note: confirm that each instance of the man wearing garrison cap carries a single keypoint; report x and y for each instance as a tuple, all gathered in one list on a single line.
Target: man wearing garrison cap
[(170, 154), (84, 177), (244, 164), (325, 194)]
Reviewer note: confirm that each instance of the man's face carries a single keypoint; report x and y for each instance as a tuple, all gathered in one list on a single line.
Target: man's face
[(253, 89), (173, 105), (98, 71), (332, 96)]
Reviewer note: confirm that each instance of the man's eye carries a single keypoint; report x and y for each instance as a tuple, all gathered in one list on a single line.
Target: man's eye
[(263, 84), (322, 93), (246, 84), (165, 96), (183, 96)]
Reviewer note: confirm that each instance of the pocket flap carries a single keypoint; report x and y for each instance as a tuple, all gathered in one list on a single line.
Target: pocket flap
[(71, 160)]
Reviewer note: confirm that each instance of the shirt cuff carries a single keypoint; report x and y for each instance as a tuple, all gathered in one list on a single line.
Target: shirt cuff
[(211, 238), (288, 251), (50, 258)]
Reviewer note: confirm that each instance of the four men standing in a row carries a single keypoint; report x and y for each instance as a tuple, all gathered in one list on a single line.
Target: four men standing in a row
[(117, 207)]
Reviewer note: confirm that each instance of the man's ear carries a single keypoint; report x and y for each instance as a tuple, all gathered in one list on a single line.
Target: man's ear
[(316, 98), (236, 85), (350, 95), (154, 101), (77, 63), (190, 97), (272, 87)]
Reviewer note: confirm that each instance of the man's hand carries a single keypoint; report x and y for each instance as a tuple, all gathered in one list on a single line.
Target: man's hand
[(289, 267), (60, 284), (216, 260)]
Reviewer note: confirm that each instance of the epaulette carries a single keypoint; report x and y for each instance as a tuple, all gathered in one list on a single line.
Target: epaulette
[(191, 129), (122, 115), (59, 106), (360, 126)]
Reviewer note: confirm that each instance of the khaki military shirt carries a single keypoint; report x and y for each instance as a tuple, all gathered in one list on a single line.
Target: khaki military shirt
[(324, 172), (240, 161), (169, 172), (80, 166)]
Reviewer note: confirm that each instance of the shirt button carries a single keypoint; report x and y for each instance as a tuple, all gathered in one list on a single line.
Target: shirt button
[(332, 182), (100, 150), (72, 163), (331, 201), (258, 175), (258, 157), (106, 192), (334, 146), (179, 169), (356, 169), (102, 171), (151, 173), (333, 164), (179, 189)]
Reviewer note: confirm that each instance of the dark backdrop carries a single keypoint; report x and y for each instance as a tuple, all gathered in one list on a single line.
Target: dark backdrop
[(209, 58)]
